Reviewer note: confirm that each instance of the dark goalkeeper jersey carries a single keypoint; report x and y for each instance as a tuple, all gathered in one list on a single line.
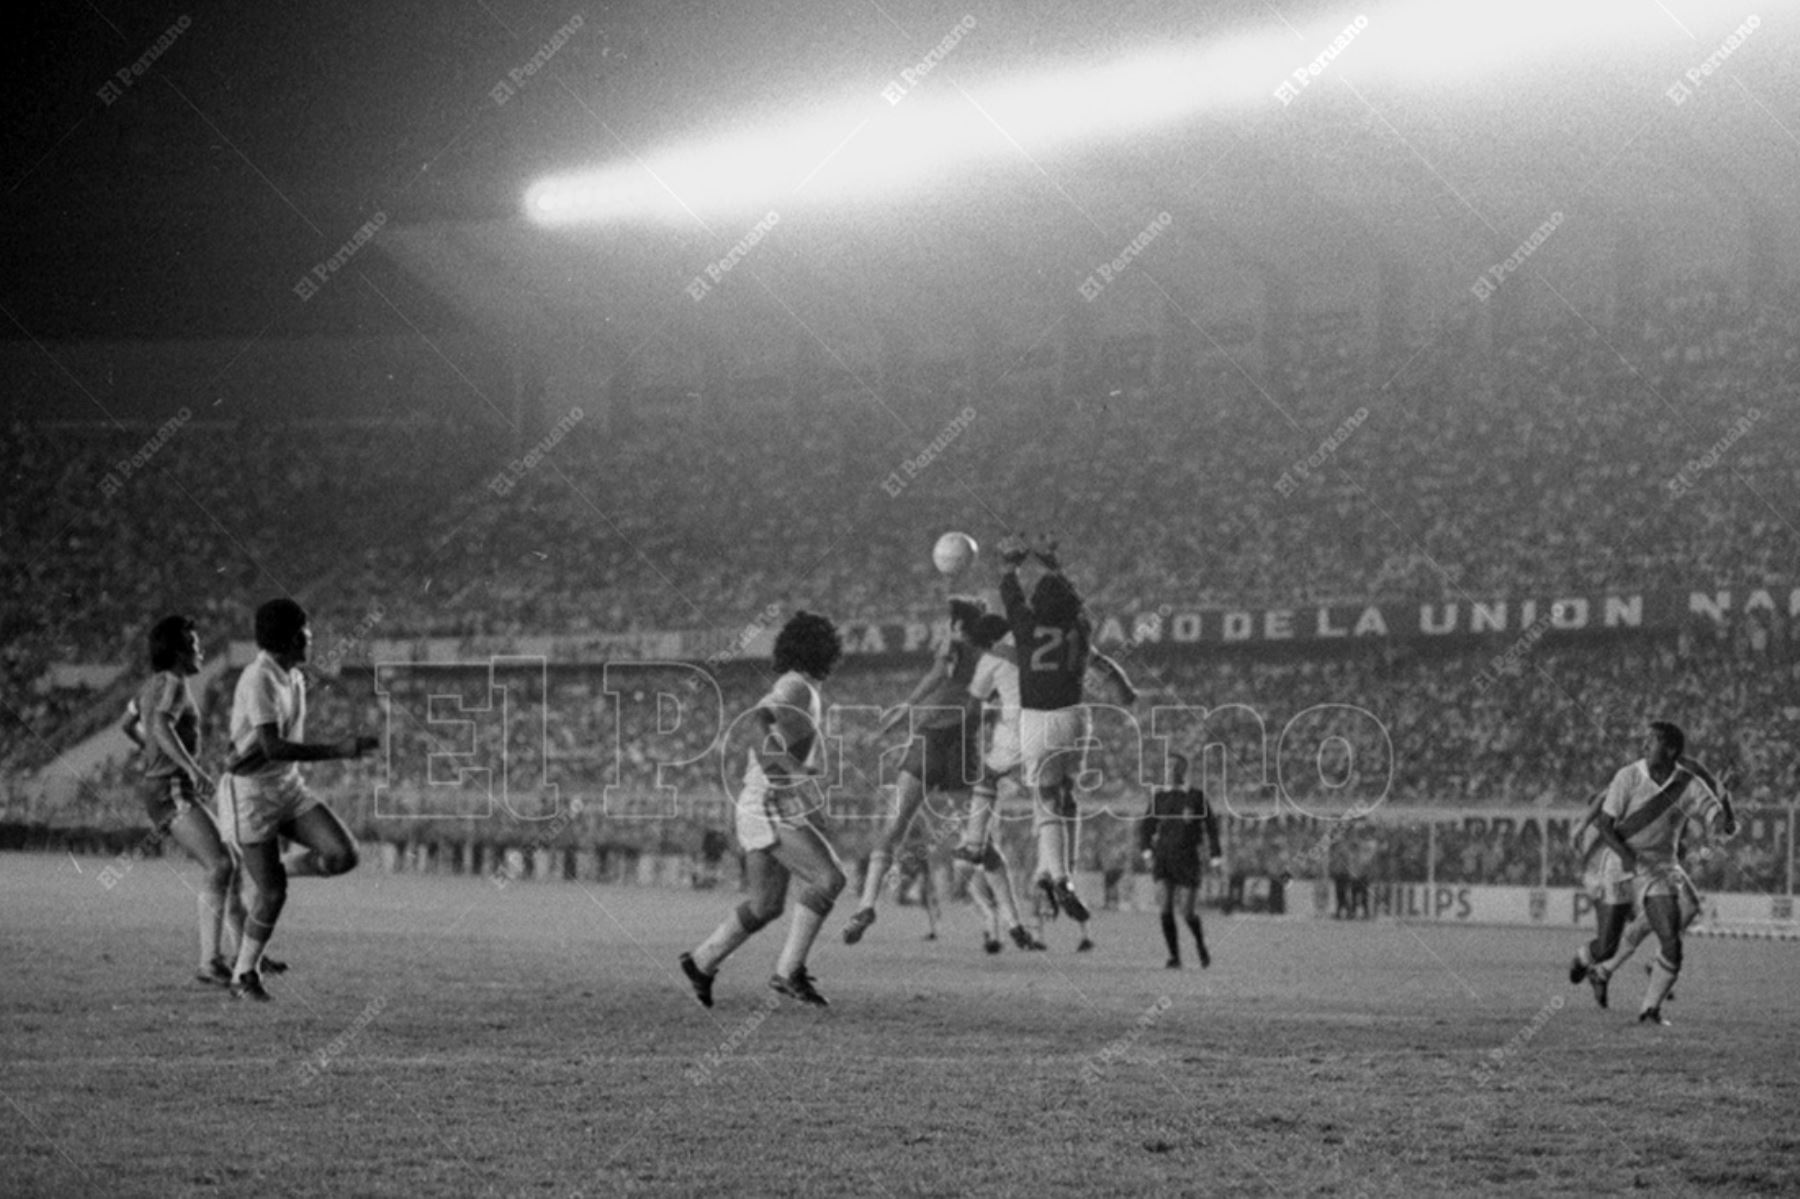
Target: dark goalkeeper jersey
[(1053, 655)]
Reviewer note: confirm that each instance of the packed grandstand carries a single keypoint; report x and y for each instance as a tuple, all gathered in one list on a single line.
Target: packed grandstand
[(1635, 465)]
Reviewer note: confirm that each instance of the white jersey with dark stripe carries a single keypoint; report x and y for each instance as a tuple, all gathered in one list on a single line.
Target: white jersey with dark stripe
[(1632, 790), (793, 704)]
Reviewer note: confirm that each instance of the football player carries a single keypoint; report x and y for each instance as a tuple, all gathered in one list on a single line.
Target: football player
[(164, 722), (1052, 639), (1688, 910), (776, 825), (941, 755), (1646, 806), (996, 681), (262, 798)]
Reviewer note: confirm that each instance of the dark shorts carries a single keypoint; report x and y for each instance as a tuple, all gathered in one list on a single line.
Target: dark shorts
[(166, 798), (946, 759), (1176, 870)]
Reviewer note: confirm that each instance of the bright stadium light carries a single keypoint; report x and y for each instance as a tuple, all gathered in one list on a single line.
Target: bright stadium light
[(867, 147)]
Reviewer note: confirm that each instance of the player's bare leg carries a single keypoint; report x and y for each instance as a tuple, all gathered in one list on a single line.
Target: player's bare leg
[(928, 899), (967, 857), (235, 912), (765, 884), (810, 859), (1637, 931), (909, 795), (268, 878), (982, 895), (978, 847), (235, 915), (325, 847), (1600, 974), (195, 831), (1609, 925), (1067, 816)]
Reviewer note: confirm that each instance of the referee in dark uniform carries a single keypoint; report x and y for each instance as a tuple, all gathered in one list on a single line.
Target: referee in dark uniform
[(1170, 838)]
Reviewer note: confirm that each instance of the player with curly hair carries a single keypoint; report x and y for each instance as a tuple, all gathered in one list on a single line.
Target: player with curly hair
[(776, 825), (164, 722)]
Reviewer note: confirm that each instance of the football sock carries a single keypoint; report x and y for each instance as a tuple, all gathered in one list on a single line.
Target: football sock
[(879, 861), (212, 916), (1051, 850), (1193, 924), (1662, 980), (981, 895), (1629, 940), (1169, 936), (235, 916), (730, 934), (250, 949), (1000, 883), (801, 933)]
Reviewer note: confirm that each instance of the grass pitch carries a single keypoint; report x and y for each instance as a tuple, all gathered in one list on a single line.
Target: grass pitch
[(443, 1036)]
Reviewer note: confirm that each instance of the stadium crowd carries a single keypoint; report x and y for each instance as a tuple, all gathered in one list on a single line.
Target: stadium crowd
[(1562, 462)]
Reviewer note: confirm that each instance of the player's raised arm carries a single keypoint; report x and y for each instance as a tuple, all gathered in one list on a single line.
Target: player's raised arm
[(941, 666), (1013, 552), (270, 746), (1112, 679), (1715, 786), (1588, 817)]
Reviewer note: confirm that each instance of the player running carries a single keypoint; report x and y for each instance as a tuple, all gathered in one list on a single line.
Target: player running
[(1608, 885), (775, 825), (262, 797), (1687, 909), (164, 722), (1170, 837), (1053, 642), (941, 755), (1641, 820)]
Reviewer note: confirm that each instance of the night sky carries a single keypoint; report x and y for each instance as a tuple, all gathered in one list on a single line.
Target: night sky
[(262, 136)]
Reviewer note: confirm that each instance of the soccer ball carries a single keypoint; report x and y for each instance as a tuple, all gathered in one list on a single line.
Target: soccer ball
[(954, 553)]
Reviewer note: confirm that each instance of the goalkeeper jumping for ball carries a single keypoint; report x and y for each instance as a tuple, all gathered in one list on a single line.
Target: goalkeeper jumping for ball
[(1054, 644)]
